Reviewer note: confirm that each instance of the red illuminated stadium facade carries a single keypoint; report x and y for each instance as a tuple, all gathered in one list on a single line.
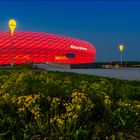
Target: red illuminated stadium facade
[(39, 47)]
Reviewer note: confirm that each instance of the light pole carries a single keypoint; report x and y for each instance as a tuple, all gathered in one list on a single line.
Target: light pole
[(12, 26), (121, 47)]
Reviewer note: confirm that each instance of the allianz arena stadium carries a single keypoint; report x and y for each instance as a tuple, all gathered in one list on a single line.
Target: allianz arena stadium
[(36, 47)]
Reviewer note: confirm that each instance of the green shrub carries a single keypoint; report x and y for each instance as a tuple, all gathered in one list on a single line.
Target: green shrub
[(54, 105)]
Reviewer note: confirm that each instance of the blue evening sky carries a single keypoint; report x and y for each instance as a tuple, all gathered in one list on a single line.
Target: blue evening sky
[(104, 23)]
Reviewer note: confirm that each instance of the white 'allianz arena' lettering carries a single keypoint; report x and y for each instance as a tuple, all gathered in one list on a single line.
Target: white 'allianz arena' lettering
[(78, 47)]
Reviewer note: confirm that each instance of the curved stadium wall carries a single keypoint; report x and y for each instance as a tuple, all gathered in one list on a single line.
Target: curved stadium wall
[(43, 47)]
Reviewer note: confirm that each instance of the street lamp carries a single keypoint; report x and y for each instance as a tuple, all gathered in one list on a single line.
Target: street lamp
[(12, 26), (121, 47)]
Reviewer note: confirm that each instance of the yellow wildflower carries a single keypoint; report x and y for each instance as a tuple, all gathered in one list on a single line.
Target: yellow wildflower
[(28, 98), (21, 110), (60, 121), (78, 107), (5, 96), (14, 99)]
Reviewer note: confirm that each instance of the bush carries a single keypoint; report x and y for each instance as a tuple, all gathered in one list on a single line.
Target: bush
[(54, 105)]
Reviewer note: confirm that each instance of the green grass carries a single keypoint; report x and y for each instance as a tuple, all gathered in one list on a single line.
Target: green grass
[(19, 67), (55, 105)]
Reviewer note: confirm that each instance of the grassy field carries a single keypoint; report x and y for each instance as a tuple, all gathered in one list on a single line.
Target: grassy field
[(19, 67), (67, 106)]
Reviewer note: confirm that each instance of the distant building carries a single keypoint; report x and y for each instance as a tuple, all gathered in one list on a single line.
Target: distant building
[(36, 47)]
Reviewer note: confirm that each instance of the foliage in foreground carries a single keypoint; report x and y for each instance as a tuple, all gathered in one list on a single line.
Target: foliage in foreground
[(49, 105)]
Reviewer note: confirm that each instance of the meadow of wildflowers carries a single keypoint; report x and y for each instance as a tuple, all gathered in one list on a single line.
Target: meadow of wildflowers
[(67, 106)]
